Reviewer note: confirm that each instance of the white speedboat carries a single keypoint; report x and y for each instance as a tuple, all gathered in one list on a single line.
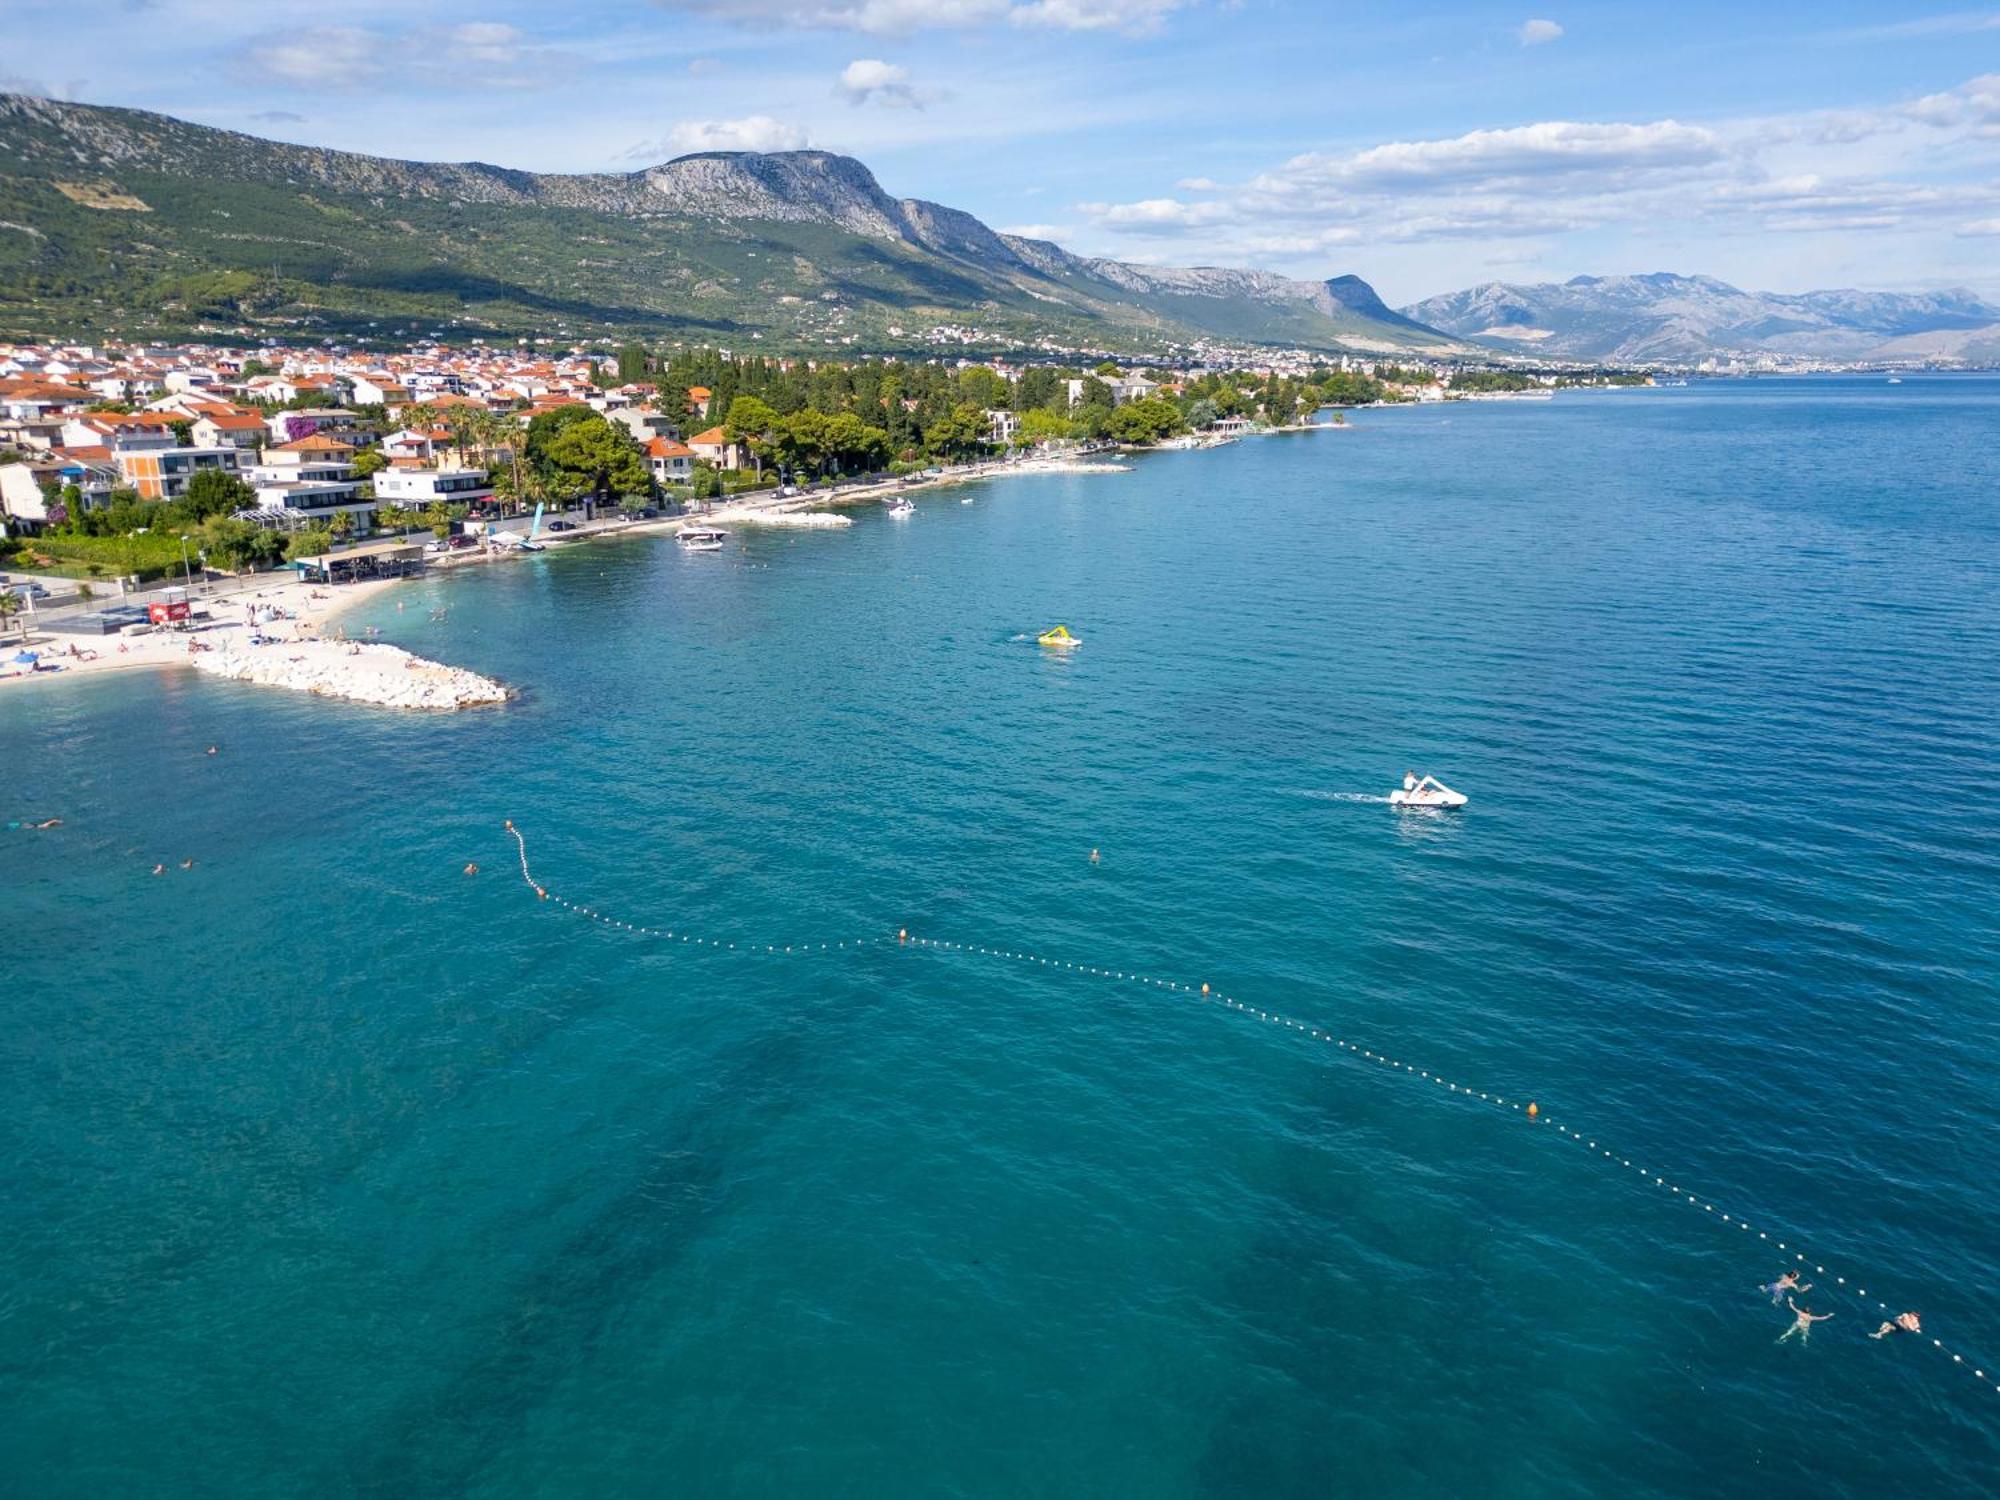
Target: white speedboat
[(701, 538), (899, 506), (1426, 791)]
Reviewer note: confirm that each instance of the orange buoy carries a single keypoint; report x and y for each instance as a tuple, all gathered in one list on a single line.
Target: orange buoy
[(541, 893), (1533, 1110), (510, 825), (1204, 987), (902, 934)]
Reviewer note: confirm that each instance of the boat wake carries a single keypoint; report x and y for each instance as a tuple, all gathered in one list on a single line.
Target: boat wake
[(1345, 797)]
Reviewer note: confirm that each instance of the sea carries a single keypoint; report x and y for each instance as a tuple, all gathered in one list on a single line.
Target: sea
[(916, 1162)]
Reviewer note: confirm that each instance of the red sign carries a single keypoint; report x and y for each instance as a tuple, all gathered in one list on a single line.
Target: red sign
[(162, 614)]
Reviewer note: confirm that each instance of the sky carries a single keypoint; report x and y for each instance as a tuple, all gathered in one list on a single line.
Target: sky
[(1424, 147)]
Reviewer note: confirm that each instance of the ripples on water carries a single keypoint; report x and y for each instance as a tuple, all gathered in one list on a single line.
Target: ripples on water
[(330, 1169)]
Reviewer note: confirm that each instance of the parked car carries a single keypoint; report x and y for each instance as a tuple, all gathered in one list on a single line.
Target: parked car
[(562, 525), (27, 588), (459, 543), (648, 513)]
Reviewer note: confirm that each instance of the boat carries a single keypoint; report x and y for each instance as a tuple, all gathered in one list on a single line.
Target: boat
[(1059, 637), (1426, 791), (1895, 380), (900, 506), (701, 538)]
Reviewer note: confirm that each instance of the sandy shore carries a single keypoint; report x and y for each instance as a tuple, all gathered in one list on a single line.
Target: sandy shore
[(303, 651)]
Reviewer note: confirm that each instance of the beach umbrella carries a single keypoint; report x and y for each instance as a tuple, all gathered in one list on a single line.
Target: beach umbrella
[(27, 658)]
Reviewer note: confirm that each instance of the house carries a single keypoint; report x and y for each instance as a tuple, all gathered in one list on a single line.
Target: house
[(415, 447), (413, 489), (1131, 388), (647, 425), (1003, 426), (378, 390), (289, 425), (308, 480), (713, 446), (230, 429), (23, 502), (159, 469), (700, 399), (672, 462)]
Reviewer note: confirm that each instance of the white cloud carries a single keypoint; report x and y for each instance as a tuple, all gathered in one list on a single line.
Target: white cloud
[(488, 54), (751, 133), (1979, 227), (1535, 33), (902, 17), (1056, 232), (1198, 185), (702, 67), (1974, 105), (333, 57), (869, 79), (1553, 148), (1155, 215)]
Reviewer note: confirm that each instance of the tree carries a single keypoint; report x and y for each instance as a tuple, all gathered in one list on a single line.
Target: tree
[(342, 524), (751, 421), (1146, 421), (959, 433), (314, 543), (216, 492), (10, 609), (183, 431), (632, 363), (1109, 367), (594, 456), (1039, 426), (368, 463), (238, 545)]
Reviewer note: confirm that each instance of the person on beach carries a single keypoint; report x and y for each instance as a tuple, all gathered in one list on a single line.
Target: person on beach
[(1909, 1322), (1802, 1322), (1789, 1282)]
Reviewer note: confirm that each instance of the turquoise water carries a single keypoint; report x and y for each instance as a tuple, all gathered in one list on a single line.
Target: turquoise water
[(328, 1169)]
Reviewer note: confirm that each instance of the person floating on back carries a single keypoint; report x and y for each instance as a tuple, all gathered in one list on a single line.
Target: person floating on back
[(1802, 1322), (1909, 1322)]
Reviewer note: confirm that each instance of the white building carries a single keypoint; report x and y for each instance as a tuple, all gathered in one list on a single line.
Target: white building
[(413, 489)]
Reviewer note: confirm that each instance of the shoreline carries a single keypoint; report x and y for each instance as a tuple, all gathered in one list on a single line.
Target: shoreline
[(297, 653), (333, 666)]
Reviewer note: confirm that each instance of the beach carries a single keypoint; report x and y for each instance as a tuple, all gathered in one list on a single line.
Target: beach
[(295, 642)]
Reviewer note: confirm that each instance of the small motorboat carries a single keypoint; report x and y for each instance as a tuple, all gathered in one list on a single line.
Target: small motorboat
[(701, 538), (1059, 638), (900, 506), (1425, 791)]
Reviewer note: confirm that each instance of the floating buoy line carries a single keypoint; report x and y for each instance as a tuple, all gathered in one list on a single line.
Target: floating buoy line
[(1529, 1110)]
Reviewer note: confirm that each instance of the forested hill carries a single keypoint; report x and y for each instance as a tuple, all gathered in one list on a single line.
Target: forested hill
[(119, 222)]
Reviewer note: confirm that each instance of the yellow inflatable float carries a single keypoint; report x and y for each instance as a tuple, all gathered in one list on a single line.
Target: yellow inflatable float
[(1059, 638)]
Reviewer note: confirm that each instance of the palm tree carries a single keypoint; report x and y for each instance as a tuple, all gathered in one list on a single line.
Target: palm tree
[(10, 609)]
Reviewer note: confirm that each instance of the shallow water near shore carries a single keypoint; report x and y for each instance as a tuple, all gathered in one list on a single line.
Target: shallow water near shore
[(326, 1168)]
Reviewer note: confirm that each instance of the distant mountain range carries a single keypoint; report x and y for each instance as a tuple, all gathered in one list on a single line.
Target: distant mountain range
[(1684, 319), (120, 222)]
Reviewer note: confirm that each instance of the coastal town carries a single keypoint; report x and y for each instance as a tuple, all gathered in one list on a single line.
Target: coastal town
[(126, 471)]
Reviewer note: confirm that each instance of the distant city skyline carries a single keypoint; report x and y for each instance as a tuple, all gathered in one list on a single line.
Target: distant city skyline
[(1784, 148)]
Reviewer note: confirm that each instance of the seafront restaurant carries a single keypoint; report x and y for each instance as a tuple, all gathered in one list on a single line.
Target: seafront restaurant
[(382, 560)]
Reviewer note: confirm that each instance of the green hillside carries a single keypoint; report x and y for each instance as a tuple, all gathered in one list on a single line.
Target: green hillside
[(116, 223)]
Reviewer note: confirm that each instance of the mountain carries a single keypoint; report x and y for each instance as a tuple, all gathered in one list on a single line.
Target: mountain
[(1672, 318), (120, 222)]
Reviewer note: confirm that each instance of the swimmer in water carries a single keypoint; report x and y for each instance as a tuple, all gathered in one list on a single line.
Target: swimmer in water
[(472, 869), (1802, 1322), (187, 864), (1095, 858), (1789, 1282), (50, 823), (211, 749), (159, 869), (1908, 1322)]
